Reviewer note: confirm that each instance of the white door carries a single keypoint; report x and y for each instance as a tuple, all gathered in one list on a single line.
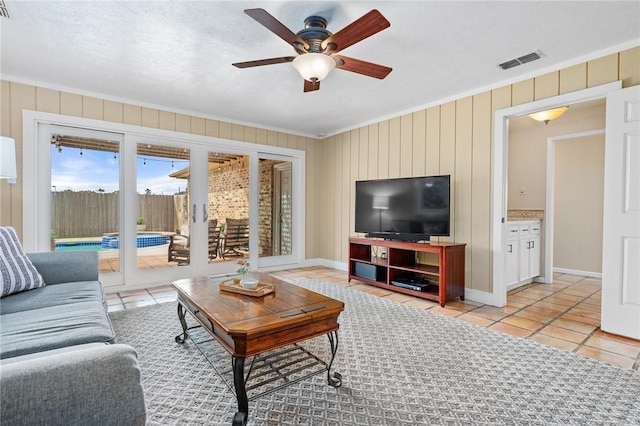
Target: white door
[(621, 227), (513, 250)]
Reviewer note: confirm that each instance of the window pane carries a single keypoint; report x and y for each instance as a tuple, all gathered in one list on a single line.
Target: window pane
[(162, 221), (85, 187), (275, 208)]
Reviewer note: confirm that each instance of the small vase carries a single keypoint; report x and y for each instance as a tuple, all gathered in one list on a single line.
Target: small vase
[(249, 283)]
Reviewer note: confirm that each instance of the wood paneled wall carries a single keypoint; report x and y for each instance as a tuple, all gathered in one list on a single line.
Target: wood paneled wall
[(16, 97), (453, 138)]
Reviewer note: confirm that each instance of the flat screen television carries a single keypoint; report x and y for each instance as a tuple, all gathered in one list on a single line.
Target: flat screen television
[(407, 209)]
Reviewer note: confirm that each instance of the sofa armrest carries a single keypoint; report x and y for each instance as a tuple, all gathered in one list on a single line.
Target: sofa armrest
[(97, 386), (66, 266)]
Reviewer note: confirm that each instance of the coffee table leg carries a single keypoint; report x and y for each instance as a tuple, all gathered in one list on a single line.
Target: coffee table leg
[(240, 419), (336, 380), (180, 338)]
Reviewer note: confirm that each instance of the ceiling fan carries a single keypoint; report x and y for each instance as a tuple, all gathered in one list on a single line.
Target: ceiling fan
[(317, 47)]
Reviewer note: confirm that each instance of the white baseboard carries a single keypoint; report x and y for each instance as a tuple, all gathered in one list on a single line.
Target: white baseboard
[(589, 274)]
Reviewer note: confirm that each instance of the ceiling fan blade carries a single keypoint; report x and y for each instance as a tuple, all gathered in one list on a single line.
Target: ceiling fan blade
[(276, 27), (368, 25), (261, 62), (310, 86), (361, 67)]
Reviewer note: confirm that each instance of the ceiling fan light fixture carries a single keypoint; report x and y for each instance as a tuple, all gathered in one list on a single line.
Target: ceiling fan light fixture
[(548, 115), (314, 66)]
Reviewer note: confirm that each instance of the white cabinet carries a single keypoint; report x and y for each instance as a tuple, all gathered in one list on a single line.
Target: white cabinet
[(513, 254), (523, 252)]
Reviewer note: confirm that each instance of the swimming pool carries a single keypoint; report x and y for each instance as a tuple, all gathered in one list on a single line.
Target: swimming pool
[(82, 245), (143, 240), (112, 241)]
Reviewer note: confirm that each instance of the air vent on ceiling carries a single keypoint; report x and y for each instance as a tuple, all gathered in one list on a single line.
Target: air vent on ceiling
[(529, 57), (3, 10)]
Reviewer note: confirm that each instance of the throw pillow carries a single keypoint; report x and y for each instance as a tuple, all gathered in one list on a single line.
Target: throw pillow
[(17, 273)]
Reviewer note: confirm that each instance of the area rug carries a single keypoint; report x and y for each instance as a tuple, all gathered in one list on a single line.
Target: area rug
[(400, 366)]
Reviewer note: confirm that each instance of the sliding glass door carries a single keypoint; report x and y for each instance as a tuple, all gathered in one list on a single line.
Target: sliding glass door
[(160, 206)]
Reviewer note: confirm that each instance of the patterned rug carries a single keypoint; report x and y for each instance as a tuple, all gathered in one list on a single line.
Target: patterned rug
[(400, 366)]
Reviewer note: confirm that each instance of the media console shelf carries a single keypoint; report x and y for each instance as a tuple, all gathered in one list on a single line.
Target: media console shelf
[(439, 269)]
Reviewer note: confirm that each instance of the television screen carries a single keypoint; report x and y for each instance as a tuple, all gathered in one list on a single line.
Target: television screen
[(404, 208)]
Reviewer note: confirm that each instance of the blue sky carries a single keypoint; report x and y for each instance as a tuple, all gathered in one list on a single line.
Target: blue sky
[(97, 169)]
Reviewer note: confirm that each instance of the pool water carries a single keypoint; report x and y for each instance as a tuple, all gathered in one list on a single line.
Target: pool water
[(111, 242), (143, 240), (89, 245)]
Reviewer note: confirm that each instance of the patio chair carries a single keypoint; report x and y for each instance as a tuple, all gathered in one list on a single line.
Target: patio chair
[(236, 238), (179, 250)]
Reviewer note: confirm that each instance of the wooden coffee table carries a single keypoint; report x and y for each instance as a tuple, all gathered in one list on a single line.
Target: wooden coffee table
[(247, 326)]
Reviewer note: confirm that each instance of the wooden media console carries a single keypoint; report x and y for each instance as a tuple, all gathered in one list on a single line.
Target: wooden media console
[(436, 268)]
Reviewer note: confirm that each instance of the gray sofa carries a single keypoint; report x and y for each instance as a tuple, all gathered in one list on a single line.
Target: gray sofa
[(59, 364)]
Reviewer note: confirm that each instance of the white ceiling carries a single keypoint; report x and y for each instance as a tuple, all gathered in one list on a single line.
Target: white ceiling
[(177, 55)]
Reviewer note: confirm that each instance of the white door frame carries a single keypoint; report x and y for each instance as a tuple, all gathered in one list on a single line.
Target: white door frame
[(549, 201), (499, 176), (36, 226)]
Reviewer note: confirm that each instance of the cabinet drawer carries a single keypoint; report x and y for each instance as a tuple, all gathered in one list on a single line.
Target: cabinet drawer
[(535, 228), (512, 230), (524, 229)]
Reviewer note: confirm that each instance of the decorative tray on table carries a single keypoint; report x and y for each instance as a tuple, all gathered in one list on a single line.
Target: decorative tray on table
[(233, 285)]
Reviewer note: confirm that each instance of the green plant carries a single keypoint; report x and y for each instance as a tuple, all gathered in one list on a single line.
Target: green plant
[(244, 267), (140, 221)]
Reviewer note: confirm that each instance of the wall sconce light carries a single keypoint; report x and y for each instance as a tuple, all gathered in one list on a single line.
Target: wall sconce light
[(8, 169), (548, 115)]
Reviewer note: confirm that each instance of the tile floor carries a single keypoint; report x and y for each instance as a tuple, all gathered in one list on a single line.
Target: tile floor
[(564, 314)]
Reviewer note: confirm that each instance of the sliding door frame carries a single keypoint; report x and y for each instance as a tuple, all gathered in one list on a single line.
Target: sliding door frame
[(36, 210)]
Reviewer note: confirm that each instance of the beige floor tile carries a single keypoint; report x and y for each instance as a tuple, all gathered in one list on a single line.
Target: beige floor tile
[(136, 298), (437, 309), (562, 295), (574, 326), (398, 297), (622, 339), (489, 313), (552, 341), (613, 346), (588, 307), (510, 329), (562, 301), (568, 278), (139, 303), (161, 289), (516, 305), (114, 308), (525, 323), (546, 312), (461, 306), (422, 304), (133, 292), (527, 313), (609, 357), (521, 299), (564, 334), (545, 304), (482, 322)]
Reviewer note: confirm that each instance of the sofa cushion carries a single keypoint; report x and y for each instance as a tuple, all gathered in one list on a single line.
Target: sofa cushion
[(53, 327), (60, 351), (54, 295), (17, 273)]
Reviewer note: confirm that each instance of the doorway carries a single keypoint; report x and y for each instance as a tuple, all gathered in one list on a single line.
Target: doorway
[(500, 173)]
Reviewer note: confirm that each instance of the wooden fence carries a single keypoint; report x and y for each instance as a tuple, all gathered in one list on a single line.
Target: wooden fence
[(87, 213)]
